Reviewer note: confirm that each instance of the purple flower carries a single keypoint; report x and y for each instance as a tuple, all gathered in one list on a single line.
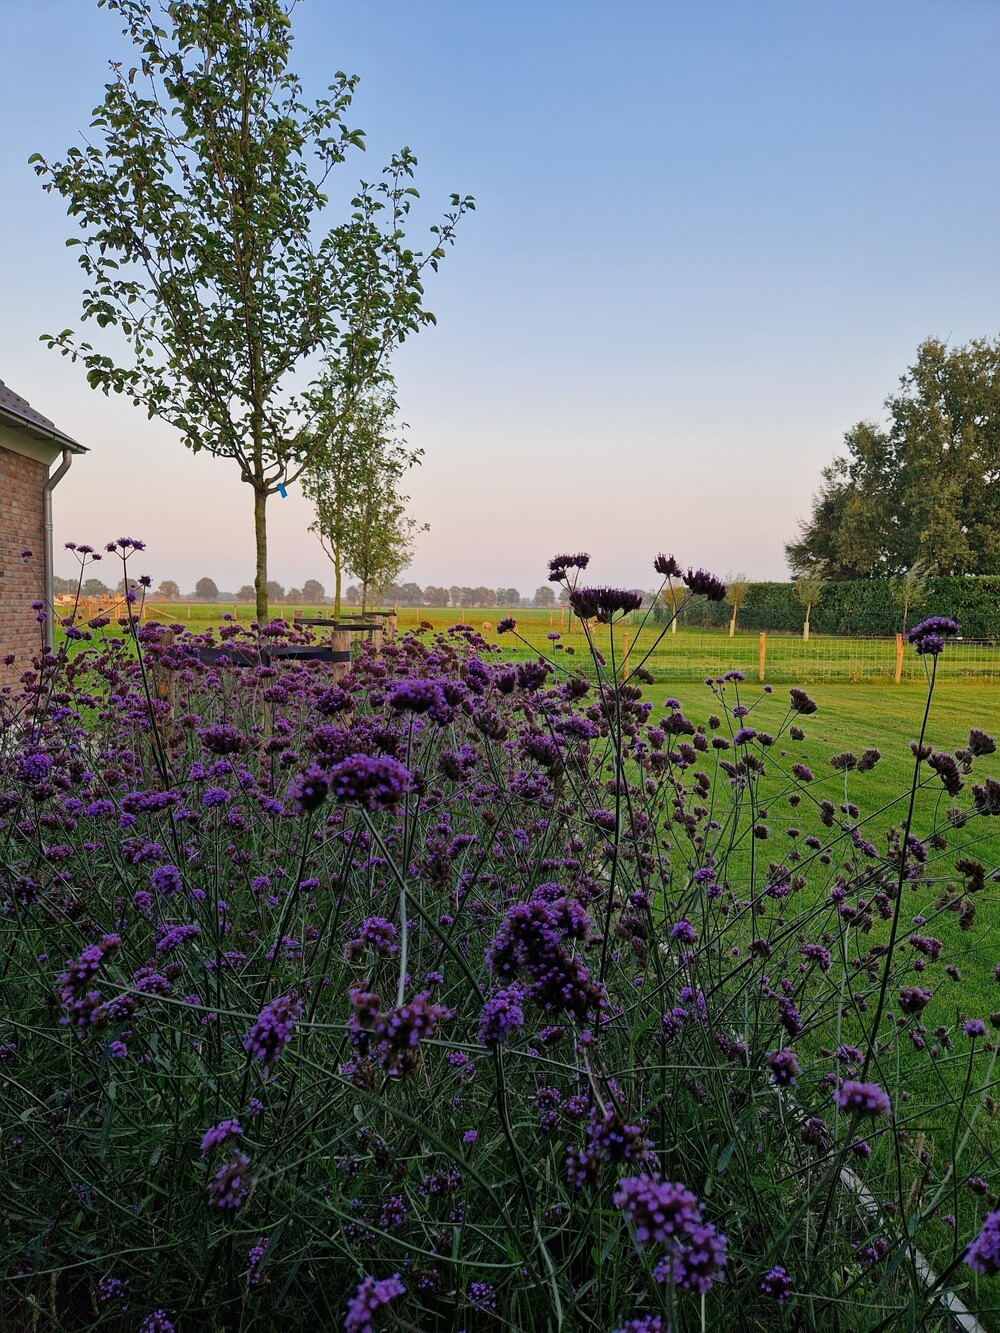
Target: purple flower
[(984, 1253), (974, 1027), (660, 1212), (374, 783), (502, 1016), (401, 1030), (667, 566), (914, 1000), (272, 1029), (255, 1260), (79, 971), (157, 1322), (308, 791), (392, 1213), (110, 1288), (684, 931), (559, 564), (375, 931), (482, 1296), (646, 1323), (617, 1141), (220, 1134), (169, 937), (229, 1187), (32, 768), (778, 1284), (369, 1298), (704, 584), (420, 696), (929, 636), (166, 880), (215, 796), (696, 1265), (506, 625), (801, 703), (602, 604), (785, 1068), (862, 1098)]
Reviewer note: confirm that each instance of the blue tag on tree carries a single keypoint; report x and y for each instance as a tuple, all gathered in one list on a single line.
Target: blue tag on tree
[(282, 492)]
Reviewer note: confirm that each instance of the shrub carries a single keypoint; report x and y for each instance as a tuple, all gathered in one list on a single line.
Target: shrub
[(470, 993)]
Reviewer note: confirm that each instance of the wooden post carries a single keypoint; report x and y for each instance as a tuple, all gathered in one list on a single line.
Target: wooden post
[(390, 627), (377, 634), (899, 658), (340, 642), (552, 617), (763, 655), (625, 648), (562, 617), (189, 610)]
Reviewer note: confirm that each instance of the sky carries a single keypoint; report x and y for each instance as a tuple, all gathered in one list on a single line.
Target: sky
[(708, 239)]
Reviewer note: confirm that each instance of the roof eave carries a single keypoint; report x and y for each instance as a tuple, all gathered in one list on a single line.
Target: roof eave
[(16, 420)]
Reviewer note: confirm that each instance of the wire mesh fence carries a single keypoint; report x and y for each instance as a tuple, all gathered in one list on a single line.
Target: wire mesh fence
[(787, 659)]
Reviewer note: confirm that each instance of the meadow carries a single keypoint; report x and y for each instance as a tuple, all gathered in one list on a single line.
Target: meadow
[(480, 991)]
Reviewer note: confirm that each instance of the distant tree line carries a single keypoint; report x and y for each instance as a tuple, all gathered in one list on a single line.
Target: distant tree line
[(313, 593)]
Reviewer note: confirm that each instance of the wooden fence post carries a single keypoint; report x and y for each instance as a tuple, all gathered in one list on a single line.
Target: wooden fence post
[(340, 642), (625, 648), (899, 658), (763, 656)]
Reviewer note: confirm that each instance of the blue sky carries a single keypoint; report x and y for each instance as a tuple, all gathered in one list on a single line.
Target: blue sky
[(708, 239)]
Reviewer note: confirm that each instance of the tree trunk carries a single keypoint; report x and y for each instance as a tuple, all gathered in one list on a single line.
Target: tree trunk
[(336, 589), (260, 539), (732, 623), (805, 627)]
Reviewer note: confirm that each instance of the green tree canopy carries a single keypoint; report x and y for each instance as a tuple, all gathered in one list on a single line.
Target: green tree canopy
[(353, 482), (924, 487), (199, 194)]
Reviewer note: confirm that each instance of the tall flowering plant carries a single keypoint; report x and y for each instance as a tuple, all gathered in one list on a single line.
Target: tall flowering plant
[(477, 989)]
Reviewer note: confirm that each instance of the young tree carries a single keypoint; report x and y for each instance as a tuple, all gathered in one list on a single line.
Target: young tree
[(352, 480), (737, 587), (910, 589), (200, 197), (808, 590), (168, 590), (206, 590), (672, 595), (384, 546)]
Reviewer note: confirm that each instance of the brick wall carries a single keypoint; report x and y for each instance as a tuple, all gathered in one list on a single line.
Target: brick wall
[(21, 482)]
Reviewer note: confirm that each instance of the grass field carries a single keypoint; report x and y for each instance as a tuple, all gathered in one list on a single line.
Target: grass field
[(689, 654)]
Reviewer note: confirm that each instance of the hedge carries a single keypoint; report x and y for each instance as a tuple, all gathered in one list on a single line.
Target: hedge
[(862, 608)]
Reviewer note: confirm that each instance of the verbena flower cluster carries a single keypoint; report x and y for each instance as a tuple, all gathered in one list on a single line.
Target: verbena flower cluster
[(482, 984)]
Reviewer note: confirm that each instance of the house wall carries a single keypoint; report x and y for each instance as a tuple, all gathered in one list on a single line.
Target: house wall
[(21, 482)]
